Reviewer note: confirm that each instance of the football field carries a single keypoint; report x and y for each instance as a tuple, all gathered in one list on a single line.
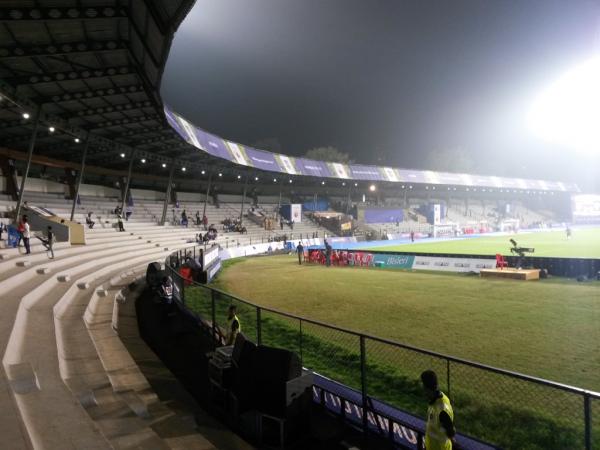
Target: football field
[(548, 328), (584, 243)]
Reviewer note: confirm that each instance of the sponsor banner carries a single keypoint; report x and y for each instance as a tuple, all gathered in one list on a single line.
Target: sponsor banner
[(394, 261), (262, 160), (312, 168), (346, 226), (210, 273), (209, 256), (249, 250), (237, 153), (296, 212), (446, 264)]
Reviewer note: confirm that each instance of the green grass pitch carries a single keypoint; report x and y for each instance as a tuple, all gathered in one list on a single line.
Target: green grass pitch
[(585, 243)]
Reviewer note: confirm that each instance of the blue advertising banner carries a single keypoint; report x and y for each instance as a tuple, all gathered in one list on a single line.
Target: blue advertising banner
[(394, 261), (275, 162)]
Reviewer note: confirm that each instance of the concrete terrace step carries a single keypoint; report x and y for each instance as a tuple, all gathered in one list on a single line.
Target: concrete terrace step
[(31, 363)]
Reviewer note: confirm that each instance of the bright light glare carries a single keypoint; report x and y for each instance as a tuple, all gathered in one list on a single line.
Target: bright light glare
[(372, 188), (568, 111)]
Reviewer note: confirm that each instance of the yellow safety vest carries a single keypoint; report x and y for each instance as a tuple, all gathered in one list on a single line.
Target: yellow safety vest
[(435, 434), (231, 334)]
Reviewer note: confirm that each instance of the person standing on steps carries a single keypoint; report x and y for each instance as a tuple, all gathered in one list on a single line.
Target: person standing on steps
[(26, 235)]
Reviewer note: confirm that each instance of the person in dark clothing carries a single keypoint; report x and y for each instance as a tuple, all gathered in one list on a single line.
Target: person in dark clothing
[(233, 325), (120, 223), (88, 220), (184, 218), (48, 241), (412, 236), (198, 220), (300, 252), (439, 431), (205, 222), (328, 249)]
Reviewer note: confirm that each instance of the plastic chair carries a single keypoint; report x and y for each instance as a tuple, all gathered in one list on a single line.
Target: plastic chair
[(500, 261)]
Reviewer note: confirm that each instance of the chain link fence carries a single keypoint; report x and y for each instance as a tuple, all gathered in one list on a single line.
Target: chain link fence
[(506, 409)]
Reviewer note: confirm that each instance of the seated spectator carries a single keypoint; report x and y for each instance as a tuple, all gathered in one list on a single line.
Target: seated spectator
[(120, 223), (88, 220), (118, 210)]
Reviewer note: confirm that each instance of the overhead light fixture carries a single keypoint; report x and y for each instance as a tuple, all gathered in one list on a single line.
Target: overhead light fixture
[(239, 177), (122, 155), (26, 115), (344, 183), (372, 188), (355, 184), (203, 172), (164, 165), (255, 178), (274, 180), (143, 160), (220, 174), (290, 181), (76, 140), (51, 129), (183, 169), (322, 182)]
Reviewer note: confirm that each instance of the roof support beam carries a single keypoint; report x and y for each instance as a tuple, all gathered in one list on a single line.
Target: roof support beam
[(130, 88), (63, 49), (52, 14), (71, 75)]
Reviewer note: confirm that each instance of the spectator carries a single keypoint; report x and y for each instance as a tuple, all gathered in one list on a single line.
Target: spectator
[(120, 223), (118, 210), (184, 219), (439, 431), (327, 253), (166, 290), (198, 218), (26, 235), (128, 213), (1, 230), (88, 220), (48, 241), (281, 223), (233, 325), (300, 252), (412, 236), (205, 221)]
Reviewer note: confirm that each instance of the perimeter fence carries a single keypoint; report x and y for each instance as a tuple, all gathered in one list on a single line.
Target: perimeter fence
[(501, 407)]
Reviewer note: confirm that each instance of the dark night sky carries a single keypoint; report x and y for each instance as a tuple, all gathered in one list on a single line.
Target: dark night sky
[(387, 81)]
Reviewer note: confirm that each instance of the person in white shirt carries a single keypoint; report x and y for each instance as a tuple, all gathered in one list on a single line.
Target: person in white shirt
[(26, 235)]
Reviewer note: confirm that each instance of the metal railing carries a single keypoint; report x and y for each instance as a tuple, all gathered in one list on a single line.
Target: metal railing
[(504, 408)]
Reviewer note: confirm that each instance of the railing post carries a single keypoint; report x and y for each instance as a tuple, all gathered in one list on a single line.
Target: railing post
[(448, 376), (363, 382), (301, 358), (182, 290), (213, 314), (258, 326), (587, 413)]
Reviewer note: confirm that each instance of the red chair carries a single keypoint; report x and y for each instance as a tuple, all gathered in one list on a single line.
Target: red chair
[(500, 261)]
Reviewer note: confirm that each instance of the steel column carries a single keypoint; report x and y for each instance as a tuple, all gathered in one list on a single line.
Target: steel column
[(167, 195), (28, 165), (128, 182), (207, 193), (80, 177), (243, 200)]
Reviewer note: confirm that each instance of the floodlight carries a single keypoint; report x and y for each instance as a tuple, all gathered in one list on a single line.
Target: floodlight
[(566, 112), (143, 161), (122, 155), (183, 169), (372, 188), (51, 129), (164, 165), (76, 140), (26, 115)]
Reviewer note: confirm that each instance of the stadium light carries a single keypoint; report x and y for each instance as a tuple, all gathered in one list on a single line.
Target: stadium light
[(76, 140), (344, 183), (255, 178), (355, 184), (322, 183), (239, 177), (51, 129), (274, 180), (26, 115), (203, 172), (372, 188), (290, 181), (220, 174), (164, 165), (122, 155), (566, 112), (143, 161), (183, 169)]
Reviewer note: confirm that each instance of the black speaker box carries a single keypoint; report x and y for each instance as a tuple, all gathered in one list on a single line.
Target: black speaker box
[(276, 365)]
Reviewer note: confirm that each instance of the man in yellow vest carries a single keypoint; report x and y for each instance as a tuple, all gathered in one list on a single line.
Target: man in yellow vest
[(440, 431), (233, 325)]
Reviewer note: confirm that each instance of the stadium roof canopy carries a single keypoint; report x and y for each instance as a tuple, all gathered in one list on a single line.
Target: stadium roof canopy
[(93, 68)]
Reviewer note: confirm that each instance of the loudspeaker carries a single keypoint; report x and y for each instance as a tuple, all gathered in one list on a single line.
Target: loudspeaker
[(243, 352), (276, 365), (154, 275)]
